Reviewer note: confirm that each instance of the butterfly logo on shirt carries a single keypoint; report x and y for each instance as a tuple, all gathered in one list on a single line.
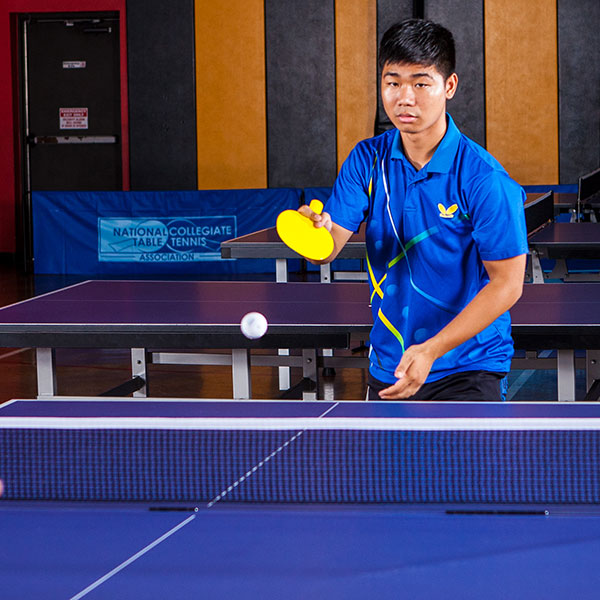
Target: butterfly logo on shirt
[(447, 213)]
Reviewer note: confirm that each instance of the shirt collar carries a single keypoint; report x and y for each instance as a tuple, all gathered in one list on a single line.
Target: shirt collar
[(443, 157)]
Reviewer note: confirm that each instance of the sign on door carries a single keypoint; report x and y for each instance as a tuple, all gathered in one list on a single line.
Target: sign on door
[(73, 118)]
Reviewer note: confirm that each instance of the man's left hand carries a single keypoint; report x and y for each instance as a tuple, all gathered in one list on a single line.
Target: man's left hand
[(412, 371)]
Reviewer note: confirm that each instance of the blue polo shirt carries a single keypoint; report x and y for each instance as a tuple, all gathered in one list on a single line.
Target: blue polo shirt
[(427, 233)]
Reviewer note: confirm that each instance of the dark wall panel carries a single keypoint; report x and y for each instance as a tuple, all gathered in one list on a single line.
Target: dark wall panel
[(388, 13), (162, 101), (464, 18), (579, 87), (392, 11), (300, 71)]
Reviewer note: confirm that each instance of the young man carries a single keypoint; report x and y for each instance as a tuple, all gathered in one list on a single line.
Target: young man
[(446, 237)]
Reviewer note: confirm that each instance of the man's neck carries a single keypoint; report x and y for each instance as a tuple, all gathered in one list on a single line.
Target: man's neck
[(420, 147)]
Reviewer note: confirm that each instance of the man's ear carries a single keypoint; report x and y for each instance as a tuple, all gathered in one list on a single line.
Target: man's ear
[(451, 85)]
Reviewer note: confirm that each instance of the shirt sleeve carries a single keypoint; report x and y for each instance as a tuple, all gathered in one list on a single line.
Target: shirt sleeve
[(498, 217), (348, 204)]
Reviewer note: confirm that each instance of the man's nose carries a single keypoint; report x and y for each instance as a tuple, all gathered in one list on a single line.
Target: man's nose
[(406, 95)]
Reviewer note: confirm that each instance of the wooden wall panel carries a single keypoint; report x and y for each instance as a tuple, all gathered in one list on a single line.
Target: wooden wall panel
[(356, 72), (230, 94), (522, 88)]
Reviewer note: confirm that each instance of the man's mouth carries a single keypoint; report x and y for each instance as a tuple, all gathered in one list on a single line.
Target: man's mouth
[(406, 117)]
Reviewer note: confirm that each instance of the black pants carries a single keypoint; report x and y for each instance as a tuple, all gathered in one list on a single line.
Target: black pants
[(468, 386)]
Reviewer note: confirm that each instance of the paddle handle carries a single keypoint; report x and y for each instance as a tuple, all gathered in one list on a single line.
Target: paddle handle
[(316, 206)]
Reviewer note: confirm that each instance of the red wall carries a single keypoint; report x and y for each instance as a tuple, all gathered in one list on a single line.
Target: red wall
[(8, 119)]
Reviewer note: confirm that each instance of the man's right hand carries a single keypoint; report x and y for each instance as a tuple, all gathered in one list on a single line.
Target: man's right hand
[(319, 220)]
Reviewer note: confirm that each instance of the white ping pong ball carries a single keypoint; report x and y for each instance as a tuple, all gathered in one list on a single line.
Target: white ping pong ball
[(254, 325)]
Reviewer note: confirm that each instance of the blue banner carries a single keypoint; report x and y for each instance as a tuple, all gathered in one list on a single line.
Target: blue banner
[(112, 233)]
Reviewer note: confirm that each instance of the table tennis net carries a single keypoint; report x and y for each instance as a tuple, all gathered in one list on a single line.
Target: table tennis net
[(206, 467)]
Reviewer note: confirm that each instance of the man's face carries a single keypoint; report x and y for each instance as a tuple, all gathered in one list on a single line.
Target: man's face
[(414, 96)]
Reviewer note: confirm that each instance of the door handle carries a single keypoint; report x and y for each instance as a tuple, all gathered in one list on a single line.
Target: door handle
[(72, 139)]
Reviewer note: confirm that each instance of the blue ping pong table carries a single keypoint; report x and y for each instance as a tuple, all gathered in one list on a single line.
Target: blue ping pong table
[(382, 500), (152, 318), (174, 316)]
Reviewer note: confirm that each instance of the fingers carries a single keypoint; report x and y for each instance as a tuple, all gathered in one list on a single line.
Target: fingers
[(406, 385), (402, 389), (320, 220), (411, 372), (402, 367), (325, 221)]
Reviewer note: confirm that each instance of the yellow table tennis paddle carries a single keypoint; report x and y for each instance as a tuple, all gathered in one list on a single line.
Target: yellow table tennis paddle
[(300, 234)]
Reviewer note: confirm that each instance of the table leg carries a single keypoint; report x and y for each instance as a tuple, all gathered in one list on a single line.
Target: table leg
[(560, 270), (326, 278), (592, 367), (240, 367), (565, 363), (537, 274), (281, 276), (310, 373), (284, 372), (46, 372), (139, 369)]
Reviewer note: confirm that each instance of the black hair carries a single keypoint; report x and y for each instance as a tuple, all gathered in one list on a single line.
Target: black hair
[(417, 41)]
